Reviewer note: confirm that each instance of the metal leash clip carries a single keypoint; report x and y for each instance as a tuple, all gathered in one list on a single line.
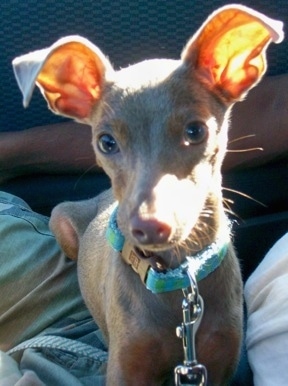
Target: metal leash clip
[(190, 372)]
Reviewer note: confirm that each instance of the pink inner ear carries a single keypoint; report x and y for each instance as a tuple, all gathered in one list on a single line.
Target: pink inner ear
[(228, 53), (78, 106), (242, 81), (243, 69), (71, 80), (236, 62)]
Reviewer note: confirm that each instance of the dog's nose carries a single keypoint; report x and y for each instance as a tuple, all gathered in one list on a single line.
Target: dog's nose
[(150, 231)]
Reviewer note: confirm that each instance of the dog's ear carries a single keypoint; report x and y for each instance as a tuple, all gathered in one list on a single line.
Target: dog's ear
[(228, 52), (70, 74)]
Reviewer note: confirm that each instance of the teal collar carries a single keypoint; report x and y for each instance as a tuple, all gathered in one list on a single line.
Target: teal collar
[(202, 263)]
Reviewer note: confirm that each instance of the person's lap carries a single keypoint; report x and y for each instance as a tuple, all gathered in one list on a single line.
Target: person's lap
[(45, 327)]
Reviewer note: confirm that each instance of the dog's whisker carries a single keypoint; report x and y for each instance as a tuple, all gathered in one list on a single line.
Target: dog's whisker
[(232, 213), (208, 215), (245, 150), (108, 108), (244, 195), (227, 203), (177, 253), (241, 138), (228, 200), (88, 170)]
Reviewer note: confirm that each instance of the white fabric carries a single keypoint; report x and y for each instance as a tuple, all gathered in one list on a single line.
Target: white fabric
[(266, 295)]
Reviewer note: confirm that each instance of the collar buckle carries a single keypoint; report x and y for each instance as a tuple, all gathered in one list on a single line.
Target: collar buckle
[(139, 265)]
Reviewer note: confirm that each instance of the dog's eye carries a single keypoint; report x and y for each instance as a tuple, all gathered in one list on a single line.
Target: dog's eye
[(195, 133), (107, 144)]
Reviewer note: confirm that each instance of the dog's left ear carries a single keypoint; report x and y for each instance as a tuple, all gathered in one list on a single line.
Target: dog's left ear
[(228, 52), (70, 74)]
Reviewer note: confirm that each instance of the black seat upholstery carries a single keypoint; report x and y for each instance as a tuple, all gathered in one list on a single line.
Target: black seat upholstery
[(127, 31)]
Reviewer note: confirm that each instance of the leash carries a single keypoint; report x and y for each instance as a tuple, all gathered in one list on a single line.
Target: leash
[(190, 372)]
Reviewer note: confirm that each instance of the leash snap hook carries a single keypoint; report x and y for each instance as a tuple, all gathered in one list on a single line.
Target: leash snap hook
[(190, 372), (195, 375)]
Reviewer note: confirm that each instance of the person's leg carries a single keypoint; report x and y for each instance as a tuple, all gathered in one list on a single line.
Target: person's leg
[(266, 294), (41, 309), (38, 284)]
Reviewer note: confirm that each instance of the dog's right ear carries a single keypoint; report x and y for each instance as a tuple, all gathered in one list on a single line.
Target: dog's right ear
[(228, 53), (71, 75)]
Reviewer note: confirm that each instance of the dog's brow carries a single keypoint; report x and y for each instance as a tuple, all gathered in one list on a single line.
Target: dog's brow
[(119, 129)]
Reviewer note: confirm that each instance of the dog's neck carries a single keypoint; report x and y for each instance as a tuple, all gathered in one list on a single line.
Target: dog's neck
[(152, 269)]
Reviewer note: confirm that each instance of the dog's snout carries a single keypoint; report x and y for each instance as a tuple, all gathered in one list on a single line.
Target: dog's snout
[(150, 231)]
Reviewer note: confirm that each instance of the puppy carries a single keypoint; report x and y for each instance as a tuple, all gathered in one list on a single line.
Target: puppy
[(160, 132)]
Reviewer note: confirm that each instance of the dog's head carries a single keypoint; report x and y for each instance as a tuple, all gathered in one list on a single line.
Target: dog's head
[(160, 126)]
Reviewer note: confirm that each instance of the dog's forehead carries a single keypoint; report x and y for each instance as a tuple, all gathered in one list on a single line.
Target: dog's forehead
[(140, 92), (146, 73), (151, 93)]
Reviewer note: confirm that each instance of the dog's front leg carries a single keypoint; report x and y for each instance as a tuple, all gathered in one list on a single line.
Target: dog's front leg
[(143, 346), (141, 362)]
